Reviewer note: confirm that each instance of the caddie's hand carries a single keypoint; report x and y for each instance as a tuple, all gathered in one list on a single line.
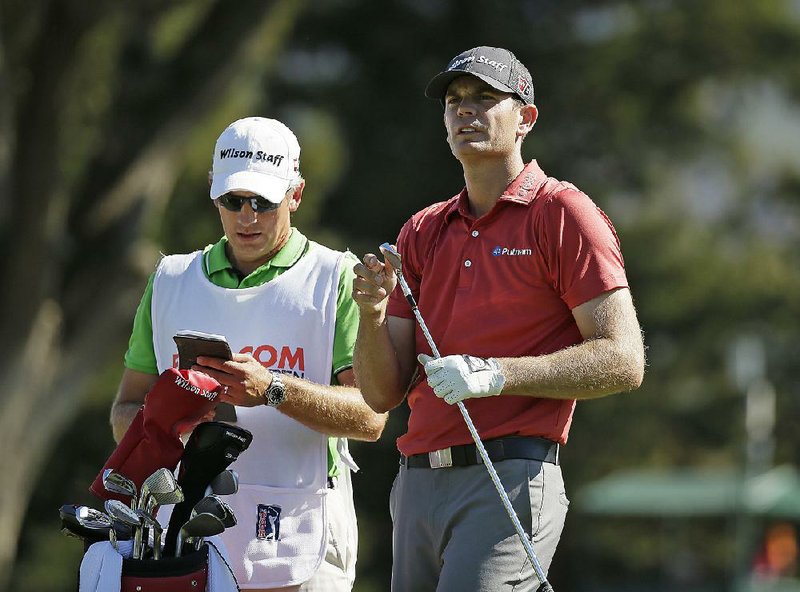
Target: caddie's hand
[(244, 380), (458, 377), (187, 426), (372, 285)]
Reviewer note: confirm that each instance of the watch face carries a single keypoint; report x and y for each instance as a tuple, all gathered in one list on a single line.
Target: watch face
[(276, 392)]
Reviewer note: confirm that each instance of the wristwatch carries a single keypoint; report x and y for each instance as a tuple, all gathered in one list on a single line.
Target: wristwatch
[(276, 391)]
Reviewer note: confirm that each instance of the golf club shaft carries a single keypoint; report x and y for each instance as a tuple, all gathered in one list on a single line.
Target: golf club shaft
[(479, 444), (157, 544), (179, 545), (138, 542)]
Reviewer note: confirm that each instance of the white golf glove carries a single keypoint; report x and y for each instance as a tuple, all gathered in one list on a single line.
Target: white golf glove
[(459, 377)]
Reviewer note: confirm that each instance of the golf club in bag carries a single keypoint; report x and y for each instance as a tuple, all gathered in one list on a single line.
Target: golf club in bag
[(211, 448), (74, 525), (393, 257), (116, 549)]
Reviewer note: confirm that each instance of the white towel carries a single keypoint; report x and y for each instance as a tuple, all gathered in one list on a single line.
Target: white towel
[(344, 453), (220, 576), (101, 569)]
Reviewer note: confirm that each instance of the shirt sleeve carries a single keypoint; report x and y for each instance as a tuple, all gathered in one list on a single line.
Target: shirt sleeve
[(141, 355), (344, 337), (581, 247)]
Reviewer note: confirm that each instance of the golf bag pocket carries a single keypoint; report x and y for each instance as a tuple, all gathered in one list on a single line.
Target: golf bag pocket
[(280, 537), (188, 573)]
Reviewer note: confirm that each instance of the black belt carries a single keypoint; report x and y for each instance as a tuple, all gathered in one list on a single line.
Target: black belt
[(525, 447)]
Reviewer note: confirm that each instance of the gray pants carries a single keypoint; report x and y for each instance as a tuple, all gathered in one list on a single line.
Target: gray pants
[(452, 533)]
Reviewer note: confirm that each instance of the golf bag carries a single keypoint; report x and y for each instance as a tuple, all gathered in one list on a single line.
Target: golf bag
[(103, 568)]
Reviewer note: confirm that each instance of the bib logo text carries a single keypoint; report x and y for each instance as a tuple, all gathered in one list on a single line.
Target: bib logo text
[(283, 358)]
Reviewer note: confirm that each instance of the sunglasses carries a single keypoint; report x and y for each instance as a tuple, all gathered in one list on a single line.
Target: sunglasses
[(234, 203)]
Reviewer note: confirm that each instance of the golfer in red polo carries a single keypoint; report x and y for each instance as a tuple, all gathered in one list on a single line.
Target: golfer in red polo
[(521, 282)]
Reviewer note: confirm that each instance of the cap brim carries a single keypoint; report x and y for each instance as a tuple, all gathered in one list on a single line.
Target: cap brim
[(270, 187), (439, 83)]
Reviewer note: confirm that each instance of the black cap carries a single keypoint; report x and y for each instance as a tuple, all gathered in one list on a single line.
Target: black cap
[(496, 66)]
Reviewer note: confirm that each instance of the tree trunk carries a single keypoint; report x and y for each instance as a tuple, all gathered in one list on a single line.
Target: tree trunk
[(50, 343)]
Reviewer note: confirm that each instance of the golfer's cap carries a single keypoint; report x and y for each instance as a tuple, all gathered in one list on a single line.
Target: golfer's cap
[(496, 66), (255, 154)]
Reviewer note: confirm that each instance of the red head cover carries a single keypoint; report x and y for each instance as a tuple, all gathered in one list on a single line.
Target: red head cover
[(178, 398)]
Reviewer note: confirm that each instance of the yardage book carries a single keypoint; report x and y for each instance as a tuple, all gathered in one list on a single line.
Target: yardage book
[(197, 343)]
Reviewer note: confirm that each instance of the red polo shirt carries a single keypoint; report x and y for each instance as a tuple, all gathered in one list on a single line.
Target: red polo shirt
[(502, 285)]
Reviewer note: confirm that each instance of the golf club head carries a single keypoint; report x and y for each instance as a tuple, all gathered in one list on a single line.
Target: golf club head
[(202, 525), (214, 505), (158, 489), (91, 518), (119, 484), (199, 525), (119, 512), (391, 255), (211, 448), (226, 483), (71, 526), (163, 499)]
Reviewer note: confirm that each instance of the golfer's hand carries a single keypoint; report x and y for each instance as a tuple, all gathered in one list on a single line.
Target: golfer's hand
[(372, 285), (244, 380), (455, 378)]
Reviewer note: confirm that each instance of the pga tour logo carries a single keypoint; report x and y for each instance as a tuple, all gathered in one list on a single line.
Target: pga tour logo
[(511, 252), (268, 522)]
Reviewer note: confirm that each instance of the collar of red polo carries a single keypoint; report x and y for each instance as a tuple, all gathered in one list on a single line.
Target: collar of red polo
[(522, 190)]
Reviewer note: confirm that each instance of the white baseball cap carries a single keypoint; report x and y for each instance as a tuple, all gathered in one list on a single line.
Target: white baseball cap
[(255, 154)]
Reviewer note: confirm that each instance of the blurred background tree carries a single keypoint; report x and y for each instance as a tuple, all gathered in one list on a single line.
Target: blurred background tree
[(679, 118)]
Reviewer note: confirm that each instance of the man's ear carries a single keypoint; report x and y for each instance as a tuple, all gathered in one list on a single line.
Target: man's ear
[(528, 115), (296, 197)]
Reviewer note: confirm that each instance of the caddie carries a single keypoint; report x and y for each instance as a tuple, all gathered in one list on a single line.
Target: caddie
[(283, 303)]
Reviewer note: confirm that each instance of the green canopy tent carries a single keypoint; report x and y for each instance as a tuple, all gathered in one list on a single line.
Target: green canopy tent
[(694, 493)]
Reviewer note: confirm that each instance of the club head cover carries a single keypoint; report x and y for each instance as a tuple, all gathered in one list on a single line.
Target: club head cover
[(210, 449), (180, 397), (152, 441), (144, 449)]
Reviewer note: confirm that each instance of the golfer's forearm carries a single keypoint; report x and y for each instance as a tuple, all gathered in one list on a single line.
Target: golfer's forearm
[(333, 410), (122, 415), (379, 374), (592, 369)]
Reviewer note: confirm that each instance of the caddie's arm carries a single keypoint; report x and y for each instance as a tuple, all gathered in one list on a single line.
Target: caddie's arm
[(334, 410), (383, 359), (133, 388)]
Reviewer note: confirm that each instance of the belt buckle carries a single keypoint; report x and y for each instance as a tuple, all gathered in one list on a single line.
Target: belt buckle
[(440, 459)]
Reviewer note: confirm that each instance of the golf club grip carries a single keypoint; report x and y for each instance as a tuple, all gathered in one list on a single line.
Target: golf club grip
[(545, 587)]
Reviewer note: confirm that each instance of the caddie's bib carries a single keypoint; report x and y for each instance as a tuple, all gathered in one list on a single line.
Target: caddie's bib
[(288, 325)]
